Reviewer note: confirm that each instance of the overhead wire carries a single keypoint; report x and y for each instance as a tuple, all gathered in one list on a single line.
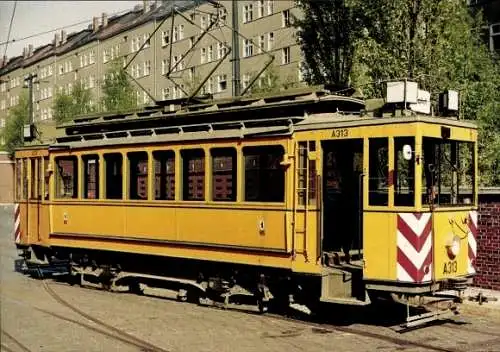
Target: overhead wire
[(10, 28), (8, 41)]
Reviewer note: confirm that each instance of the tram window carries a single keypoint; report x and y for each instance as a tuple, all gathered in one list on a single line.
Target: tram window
[(67, 177), (264, 176), (33, 178), (448, 172), (138, 180), (90, 176), (25, 178), (19, 193), (404, 173), (114, 177), (164, 163), (46, 177), (306, 167), (378, 172), (193, 174), (39, 179), (224, 174)]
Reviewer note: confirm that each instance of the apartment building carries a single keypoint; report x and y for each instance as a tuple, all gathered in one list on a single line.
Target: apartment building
[(491, 14), (215, 61)]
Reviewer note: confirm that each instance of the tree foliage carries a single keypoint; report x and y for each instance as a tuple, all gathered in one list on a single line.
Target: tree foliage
[(271, 81), (118, 94), (13, 131), (67, 106), (434, 42)]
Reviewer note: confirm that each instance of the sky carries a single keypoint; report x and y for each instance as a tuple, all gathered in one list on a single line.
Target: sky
[(32, 17)]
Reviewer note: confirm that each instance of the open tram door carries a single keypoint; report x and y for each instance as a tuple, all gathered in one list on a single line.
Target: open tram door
[(342, 214)]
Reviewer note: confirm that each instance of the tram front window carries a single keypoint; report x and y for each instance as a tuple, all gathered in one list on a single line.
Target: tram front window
[(448, 172)]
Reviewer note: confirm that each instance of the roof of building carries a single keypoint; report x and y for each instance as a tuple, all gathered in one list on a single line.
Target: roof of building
[(115, 25)]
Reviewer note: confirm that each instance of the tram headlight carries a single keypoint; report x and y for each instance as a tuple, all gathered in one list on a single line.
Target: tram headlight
[(453, 247)]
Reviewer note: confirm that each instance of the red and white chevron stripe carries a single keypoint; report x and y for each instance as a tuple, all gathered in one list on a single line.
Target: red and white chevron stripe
[(414, 241), (471, 238), (17, 223)]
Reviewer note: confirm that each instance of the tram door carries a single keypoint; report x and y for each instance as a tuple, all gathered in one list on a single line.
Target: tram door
[(342, 197)]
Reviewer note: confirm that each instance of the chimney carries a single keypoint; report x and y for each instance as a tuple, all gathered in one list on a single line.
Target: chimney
[(25, 52), (30, 50), (104, 20), (56, 39), (3, 61), (95, 24), (145, 6), (63, 37)]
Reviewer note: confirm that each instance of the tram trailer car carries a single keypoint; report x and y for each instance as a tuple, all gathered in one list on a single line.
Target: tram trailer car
[(296, 199)]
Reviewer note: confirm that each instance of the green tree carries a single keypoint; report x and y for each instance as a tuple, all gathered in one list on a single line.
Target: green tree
[(270, 82), (118, 94), (13, 131), (434, 42), (67, 106)]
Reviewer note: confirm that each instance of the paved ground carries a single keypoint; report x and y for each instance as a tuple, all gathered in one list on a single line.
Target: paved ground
[(38, 322)]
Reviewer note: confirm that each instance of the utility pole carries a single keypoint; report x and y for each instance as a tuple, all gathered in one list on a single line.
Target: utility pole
[(236, 50), (28, 83)]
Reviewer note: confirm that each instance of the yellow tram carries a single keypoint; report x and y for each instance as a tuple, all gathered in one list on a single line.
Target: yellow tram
[(298, 198)]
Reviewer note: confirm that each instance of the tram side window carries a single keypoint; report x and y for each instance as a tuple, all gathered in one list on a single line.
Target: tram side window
[(67, 177), (138, 180), (39, 179), (224, 174), (193, 175), (378, 187), (404, 173), (264, 176), (19, 193), (164, 164), (114, 177), (25, 178), (46, 177), (33, 178), (90, 176)]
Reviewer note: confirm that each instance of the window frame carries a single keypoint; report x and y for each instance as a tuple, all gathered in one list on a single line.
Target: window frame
[(75, 177), (225, 152), (185, 154)]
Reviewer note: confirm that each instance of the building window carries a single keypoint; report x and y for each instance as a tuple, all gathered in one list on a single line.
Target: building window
[(90, 176), (224, 174), (191, 74), (91, 60), (3, 105), (285, 55), (91, 81), (146, 40), (138, 180), (245, 81), (247, 13), (145, 98), (260, 8), (67, 177), (221, 50), (261, 43), (147, 68), (210, 57), (105, 56), (175, 35), (222, 17), (378, 191), (203, 22), (181, 31), (191, 42), (114, 178), (2, 121), (165, 38), (286, 18), (264, 175), (3, 87), (270, 41), (203, 56), (301, 72), (247, 48), (221, 83), (61, 69), (164, 164), (270, 7), (193, 165), (166, 93), (164, 67)]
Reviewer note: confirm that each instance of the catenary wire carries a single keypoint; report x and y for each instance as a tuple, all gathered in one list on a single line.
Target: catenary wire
[(10, 28)]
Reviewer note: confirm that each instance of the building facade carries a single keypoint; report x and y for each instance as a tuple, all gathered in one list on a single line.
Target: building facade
[(243, 38)]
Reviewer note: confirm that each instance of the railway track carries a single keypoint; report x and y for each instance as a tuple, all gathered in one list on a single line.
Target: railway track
[(5, 347), (106, 329)]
